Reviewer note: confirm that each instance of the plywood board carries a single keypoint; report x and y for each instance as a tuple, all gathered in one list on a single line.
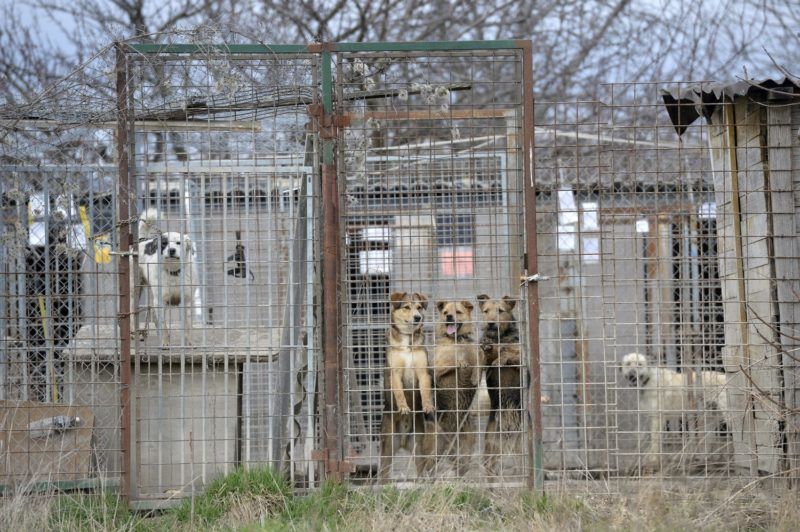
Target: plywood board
[(57, 457)]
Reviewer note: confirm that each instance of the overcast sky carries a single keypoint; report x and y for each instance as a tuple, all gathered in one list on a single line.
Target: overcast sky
[(32, 16)]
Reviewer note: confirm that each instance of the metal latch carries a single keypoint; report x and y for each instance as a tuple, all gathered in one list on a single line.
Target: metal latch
[(535, 278)]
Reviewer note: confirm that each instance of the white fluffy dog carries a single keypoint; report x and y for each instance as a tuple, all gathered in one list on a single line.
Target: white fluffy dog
[(167, 270), (664, 395)]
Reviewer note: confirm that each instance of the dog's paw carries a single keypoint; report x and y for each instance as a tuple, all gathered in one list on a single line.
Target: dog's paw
[(427, 407), (463, 364), (498, 362), (403, 409)]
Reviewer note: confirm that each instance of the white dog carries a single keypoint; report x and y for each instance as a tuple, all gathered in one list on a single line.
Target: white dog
[(664, 395), (167, 269)]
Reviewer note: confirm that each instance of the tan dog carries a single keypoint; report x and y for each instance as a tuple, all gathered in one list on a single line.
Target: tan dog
[(457, 365), (501, 348), (408, 393)]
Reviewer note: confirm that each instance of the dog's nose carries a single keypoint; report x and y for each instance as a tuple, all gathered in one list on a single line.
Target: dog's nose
[(417, 318), (449, 319), (172, 252)]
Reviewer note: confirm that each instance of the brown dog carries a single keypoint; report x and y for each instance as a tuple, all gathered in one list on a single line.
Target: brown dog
[(407, 381), (457, 365), (500, 345)]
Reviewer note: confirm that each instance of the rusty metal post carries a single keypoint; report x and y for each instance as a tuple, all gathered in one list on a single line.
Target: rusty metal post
[(124, 278), (330, 277), (536, 478)]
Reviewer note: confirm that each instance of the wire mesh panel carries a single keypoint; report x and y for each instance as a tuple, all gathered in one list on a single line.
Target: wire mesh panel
[(171, 317), (59, 379), (224, 340), (666, 346), (434, 331)]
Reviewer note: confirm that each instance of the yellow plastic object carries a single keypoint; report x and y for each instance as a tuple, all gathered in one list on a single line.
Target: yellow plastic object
[(101, 252)]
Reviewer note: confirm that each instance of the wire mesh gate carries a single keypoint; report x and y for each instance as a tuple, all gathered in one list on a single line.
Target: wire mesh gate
[(434, 190), (423, 183), (218, 207)]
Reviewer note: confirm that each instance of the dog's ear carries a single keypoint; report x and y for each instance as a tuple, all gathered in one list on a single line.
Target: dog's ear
[(468, 306), (397, 298), (510, 302), (482, 299), (440, 305), (421, 298), (151, 247)]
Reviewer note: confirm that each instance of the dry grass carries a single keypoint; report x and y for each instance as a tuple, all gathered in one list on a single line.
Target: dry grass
[(262, 501)]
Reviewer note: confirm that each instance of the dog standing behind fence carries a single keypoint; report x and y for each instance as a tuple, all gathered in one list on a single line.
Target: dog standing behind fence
[(407, 383), (500, 344), (167, 270), (664, 396), (457, 367)]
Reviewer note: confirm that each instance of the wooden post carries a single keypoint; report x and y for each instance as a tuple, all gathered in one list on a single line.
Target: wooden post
[(786, 253)]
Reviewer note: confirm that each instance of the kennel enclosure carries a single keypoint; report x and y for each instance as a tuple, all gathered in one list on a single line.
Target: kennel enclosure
[(314, 181)]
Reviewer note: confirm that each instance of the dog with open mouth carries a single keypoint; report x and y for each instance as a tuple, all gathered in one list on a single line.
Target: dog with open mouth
[(457, 367)]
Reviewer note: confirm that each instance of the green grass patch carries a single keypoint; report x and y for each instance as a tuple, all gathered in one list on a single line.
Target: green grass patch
[(238, 487), (261, 500), (326, 507)]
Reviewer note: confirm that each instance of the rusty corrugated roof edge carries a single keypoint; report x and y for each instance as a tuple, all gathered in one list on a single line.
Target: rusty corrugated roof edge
[(687, 104)]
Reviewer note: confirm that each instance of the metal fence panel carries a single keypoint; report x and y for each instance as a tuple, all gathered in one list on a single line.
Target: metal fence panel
[(225, 342), (665, 325), (59, 379), (612, 302), (432, 210)]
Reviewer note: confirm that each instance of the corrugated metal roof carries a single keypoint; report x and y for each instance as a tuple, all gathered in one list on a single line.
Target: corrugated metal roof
[(687, 104)]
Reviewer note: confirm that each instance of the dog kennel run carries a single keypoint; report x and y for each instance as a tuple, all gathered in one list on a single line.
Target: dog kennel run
[(683, 248), (307, 184)]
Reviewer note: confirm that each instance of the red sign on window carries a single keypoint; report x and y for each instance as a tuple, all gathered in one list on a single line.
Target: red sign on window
[(457, 261)]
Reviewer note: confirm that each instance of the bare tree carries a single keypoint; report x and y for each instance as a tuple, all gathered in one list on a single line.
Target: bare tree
[(578, 44)]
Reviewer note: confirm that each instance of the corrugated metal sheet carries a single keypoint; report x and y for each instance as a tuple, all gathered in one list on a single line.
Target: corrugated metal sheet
[(685, 105)]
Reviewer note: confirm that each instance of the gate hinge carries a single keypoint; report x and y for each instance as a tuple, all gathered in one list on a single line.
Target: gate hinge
[(315, 110), (327, 123), (341, 120), (332, 465)]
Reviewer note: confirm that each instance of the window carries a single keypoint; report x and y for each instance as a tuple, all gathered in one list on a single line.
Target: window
[(455, 236), (455, 230)]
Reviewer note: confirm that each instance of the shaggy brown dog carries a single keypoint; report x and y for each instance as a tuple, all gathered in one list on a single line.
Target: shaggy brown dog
[(501, 348), (457, 365), (407, 382)]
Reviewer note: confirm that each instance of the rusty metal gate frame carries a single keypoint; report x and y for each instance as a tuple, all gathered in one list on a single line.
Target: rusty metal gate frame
[(326, 124)]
